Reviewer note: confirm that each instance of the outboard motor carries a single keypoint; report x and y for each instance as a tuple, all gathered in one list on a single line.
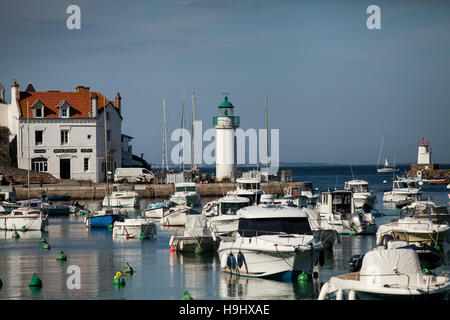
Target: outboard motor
[(355, 223)]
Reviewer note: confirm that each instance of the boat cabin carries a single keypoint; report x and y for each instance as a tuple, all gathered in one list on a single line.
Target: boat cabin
[(357, 186), (8, 193), (337, 202), (230, 205), (185, 187), (405, 184)]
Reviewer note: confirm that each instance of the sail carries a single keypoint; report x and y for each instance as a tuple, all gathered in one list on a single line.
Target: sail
[(386, 164)]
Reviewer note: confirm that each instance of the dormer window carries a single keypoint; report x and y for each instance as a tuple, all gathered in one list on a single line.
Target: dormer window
[(38, 110), (64, 109)]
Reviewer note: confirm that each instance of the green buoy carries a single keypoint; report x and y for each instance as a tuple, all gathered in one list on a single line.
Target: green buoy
[(127, 269), (302, 277), (186, 296), (199, 250), (143, 236), (110, 226), (118, 280), (15, 235), (45, 246), (61, 256), (425, 271), (35, 281), (42, 239), (352, 233), (437, 247), (24, 229)]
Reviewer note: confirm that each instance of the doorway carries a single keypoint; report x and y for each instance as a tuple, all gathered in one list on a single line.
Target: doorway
[(64, 168)]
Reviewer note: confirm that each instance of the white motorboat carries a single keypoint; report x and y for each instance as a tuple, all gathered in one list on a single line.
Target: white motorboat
[(24, 217), (194, 236), (248, 188), (337, 210), (47, 207), (134, 228), (176, 215), (271, 240), (402, 189), (156, 210), (427, 209), (122, 196), (222, 213), (416, 226), (301, 196), (186, 194), (361, 193), (387, 274)]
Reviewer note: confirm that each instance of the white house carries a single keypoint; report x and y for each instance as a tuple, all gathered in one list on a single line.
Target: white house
[(63, 133)]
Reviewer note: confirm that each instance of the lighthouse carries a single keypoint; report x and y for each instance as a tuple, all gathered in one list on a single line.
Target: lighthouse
[(424, 152), (225, 123)]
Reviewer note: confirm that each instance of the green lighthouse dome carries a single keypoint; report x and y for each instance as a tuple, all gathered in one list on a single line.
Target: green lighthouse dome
[(226, 104)]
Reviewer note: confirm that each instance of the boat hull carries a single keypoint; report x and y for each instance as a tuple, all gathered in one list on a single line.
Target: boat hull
[(16, 223), (124, 230), (103, 221), (125, 202), (157, 213)]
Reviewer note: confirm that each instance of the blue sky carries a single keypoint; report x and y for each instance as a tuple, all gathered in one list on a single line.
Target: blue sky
[(334, 86)]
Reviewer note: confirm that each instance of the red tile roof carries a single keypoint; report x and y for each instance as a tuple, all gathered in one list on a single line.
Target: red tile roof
[(80, 102)]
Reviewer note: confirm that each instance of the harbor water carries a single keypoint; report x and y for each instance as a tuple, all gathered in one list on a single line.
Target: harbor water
[(161, 274)]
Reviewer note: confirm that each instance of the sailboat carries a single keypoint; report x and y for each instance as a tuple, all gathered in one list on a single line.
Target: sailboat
[(105, 217), (387, 167)]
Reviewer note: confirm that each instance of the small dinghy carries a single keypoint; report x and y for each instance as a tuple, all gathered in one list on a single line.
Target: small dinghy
[(195, 236), (388, 274)]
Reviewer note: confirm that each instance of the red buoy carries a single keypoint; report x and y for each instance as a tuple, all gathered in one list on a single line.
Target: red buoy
[(172, 249)]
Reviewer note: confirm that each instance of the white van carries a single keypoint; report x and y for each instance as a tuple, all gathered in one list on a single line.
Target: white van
[(132, 175)]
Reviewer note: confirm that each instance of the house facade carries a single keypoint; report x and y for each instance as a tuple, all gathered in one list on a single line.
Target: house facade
[(63, 133)]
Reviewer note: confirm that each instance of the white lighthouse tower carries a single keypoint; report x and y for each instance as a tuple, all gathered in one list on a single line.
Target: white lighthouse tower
[(424, 152), (225, 124)]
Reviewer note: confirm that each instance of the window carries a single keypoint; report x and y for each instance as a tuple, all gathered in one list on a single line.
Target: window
[(108, 133), (38, 112), (39, 164), (88, 136), (64, 136), (38, 137), (64, 112), (86, 164)]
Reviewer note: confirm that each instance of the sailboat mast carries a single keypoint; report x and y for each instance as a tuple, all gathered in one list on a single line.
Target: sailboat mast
[(164, 161), (381, 149), (106, 154), (267, 141), (193, 166), (28, 152), (183, 124)]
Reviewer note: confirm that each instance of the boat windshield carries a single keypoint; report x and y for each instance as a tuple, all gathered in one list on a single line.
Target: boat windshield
[(359, 188), (231, 208), (268, 226), (248, 186), (185, 189)]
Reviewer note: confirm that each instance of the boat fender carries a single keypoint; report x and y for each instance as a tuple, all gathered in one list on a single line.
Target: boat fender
[(240, 258), (231, 261)]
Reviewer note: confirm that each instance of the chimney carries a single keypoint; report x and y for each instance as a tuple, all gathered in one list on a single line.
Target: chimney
[(117, 101), (94, 104), (82, 89), (15, 92)]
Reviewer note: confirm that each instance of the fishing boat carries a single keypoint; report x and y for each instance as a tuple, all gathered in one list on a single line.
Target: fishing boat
[(186, 194), (194, 237), (222, 214), (249, 188), (361, 193), (134, 228), (24, 217), (122, 196), (387, 274), (426, 208), (176, 215), (271, 241), (47, 207), (403, 189), (337, 210), (156, 210), (387, 168)]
